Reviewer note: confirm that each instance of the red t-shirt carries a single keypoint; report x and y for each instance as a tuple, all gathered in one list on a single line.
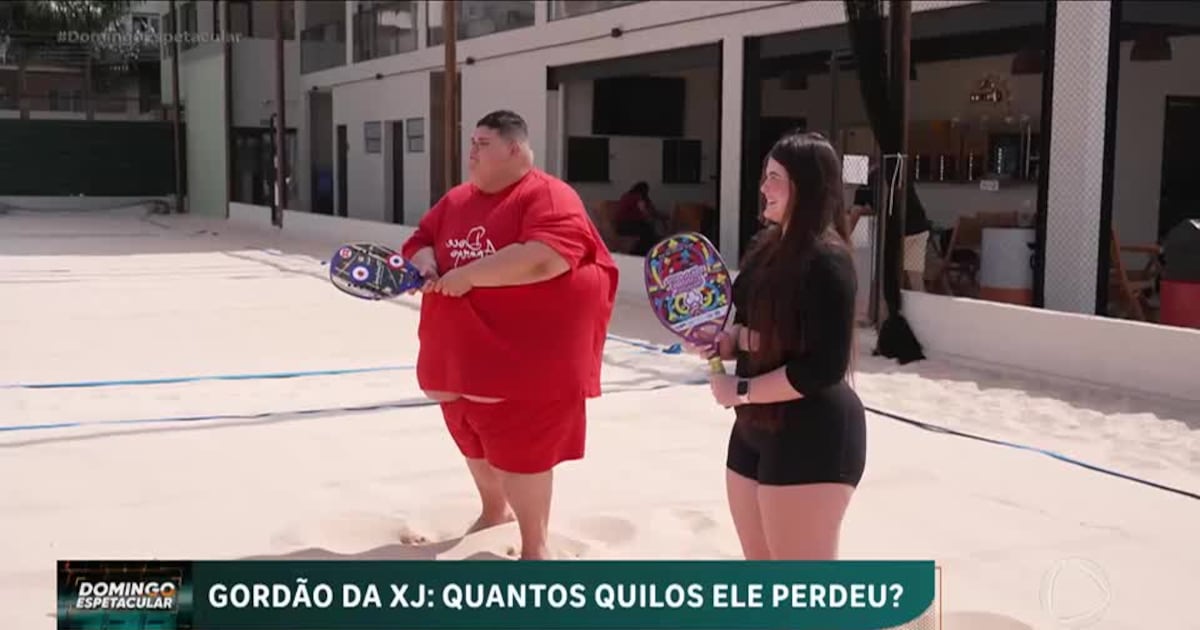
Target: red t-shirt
[(540, 341)]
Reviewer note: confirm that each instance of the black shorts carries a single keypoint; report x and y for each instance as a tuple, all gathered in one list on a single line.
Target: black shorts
[(823, 439)]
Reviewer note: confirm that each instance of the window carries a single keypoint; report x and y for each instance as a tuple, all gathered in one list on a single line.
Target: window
[(323, 41), (415, 133), (257, 19), (478, 18), (382, 29), (372, 136), (563, 9), (145, 30), (587, 159), (681, 161), (241, 18), (189, 26)]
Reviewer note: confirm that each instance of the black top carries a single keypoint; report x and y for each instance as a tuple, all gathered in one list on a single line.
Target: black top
[(825, 318), (915, 220)]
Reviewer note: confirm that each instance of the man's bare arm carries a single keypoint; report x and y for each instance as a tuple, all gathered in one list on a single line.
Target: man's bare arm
[(517, 264)]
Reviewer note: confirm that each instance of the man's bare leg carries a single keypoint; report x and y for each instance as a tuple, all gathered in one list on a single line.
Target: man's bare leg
[(529, 496), (495, 509)]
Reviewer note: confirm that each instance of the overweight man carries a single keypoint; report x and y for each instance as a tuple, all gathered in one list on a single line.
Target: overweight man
[(519, 294)]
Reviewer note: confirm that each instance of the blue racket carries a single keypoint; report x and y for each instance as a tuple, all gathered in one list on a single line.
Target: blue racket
[(372, 272)]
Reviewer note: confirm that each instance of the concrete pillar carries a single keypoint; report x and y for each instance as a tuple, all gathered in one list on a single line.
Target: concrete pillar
[(732, 53), (351, 8), (421, 20), (1076, 156)]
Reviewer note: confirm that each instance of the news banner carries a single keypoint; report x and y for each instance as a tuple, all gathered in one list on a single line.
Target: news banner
[(325, 594)]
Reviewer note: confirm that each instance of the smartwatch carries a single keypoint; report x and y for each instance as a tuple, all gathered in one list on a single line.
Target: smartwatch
[(743, 391)]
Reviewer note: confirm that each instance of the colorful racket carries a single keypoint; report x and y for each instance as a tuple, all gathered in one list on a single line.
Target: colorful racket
[(689, 289), (372, 272)]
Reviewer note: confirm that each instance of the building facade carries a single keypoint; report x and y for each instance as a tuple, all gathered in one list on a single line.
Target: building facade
[(1017, 115)]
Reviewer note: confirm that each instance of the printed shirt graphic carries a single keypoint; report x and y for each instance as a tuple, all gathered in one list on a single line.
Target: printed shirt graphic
[(476, 245), (527, 342)]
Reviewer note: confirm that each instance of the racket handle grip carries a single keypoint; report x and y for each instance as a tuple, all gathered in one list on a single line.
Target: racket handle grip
[(716, 366)]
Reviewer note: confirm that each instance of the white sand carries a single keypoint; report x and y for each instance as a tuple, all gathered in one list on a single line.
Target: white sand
[(116, 296)]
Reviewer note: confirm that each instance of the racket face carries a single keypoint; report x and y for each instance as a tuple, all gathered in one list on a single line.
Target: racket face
[(372, 272), (689, 287)]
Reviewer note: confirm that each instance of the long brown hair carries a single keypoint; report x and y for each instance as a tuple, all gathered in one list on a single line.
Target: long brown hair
[(815, 217)]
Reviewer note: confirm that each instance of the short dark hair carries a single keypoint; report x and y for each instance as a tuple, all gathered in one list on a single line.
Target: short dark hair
[(506, 123)]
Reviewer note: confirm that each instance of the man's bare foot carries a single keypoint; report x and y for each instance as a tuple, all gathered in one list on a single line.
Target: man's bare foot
[(487, 521), (538, 554), (544, 553)]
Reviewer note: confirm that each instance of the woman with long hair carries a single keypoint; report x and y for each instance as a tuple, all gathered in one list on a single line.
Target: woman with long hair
[(797, 449)]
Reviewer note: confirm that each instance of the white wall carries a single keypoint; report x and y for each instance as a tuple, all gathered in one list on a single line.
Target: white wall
[(1152, 359), (392, 98), (253, 82), (202, 91), (634, 159), (1137, 172)]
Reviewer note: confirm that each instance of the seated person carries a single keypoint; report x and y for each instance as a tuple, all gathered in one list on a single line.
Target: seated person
[(637, 216)]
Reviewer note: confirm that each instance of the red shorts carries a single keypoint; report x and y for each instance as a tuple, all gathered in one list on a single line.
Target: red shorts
[(521, 437)]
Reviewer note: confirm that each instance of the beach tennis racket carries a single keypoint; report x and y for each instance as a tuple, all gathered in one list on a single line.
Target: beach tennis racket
[(372, 272), (689, 289)]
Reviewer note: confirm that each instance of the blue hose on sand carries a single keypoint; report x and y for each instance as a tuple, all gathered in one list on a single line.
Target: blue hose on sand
[(674, 349)]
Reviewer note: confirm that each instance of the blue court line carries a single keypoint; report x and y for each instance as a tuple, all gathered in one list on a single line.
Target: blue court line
[(673, 349), (1033, 449), (423, 402), (404, 404), (212, 377)]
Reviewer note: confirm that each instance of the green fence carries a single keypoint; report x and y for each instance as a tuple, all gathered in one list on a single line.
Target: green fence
[(93, 158)]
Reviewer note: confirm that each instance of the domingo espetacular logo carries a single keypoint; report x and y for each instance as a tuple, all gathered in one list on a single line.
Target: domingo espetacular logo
[(100, 595), (135, 595)]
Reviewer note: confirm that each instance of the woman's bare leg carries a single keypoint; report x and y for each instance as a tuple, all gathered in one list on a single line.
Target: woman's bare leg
[(742, 493), (803, 522)]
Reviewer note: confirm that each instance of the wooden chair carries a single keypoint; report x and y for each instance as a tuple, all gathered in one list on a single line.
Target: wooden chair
[(688, 217), (603, 215), (1132, 289), (959, 265)]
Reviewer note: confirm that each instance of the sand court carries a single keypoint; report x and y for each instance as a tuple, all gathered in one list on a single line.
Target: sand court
[(296, 430)]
